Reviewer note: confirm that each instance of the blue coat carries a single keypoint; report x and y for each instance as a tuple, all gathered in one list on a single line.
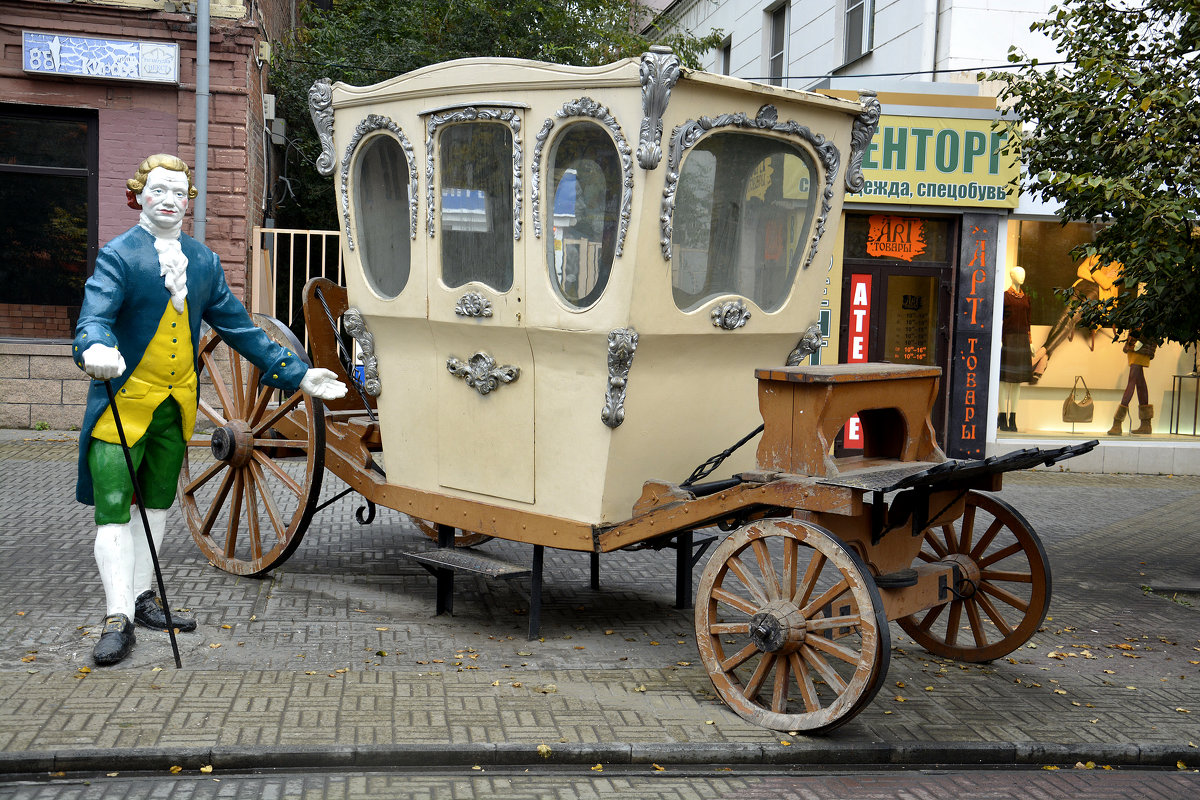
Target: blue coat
[(123, 303)]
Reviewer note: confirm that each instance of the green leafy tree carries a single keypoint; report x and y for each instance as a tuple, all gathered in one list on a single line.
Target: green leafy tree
[(1113, 134), (361, 42)]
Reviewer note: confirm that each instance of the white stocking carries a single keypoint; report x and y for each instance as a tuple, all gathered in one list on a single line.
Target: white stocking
[(143, 565), (115, 559)]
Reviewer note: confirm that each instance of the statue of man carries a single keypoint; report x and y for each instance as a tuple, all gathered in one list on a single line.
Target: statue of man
[(142, 307)]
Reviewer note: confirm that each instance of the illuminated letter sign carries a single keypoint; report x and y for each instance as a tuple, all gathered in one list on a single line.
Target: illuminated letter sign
[(857, 344)]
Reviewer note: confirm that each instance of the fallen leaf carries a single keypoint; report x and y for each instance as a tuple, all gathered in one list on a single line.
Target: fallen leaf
[(495, 683), (543, 750), (381, 629), (657, 768), (227, 627), (900, 699), (113, 774), (517, 684), (1181, 765), (641, 688), (548, 688), (1059, 691), (215, 645), (1049, 766), (206, 769), (598, 768), (1183, 711), (176, 770)]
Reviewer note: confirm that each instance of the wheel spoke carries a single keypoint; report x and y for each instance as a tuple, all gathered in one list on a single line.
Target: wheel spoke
[(1000, 555), (779, 695), (210, 518), (952, 622), (211, 413), (759, 677), (809, 582), (278, 472), (749, 581), (291, 444), (279, 413), (984, 541), (827, 597), (252, 528), (739, 658), (733, 600), (239, 385), (1004, 596), (994, 614), (209, 362), (204, 477), (839, 651), (967, 528), (1006, 576), (948, 538), (831, 623), (808, 692), (935, 546), (273, 510), (791, 555), (723, 628), (261, 401), (976, 623), (927, 621), (823, 668), (763, 557), (235, 513)]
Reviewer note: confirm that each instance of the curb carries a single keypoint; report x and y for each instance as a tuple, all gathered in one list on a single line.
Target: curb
[(678, 754)]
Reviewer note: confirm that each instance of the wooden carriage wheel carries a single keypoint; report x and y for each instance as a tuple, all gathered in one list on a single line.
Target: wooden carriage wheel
[(791, 627), (249, 492), (1004, 591)]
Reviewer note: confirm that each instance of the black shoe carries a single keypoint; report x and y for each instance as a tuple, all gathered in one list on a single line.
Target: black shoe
[(116, 640), (148, 612)]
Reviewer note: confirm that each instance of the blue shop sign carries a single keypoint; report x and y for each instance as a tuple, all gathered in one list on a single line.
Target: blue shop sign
[(108, 59)]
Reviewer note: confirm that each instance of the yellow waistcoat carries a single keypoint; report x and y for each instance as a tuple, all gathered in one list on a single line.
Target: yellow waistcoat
[(166, 370)]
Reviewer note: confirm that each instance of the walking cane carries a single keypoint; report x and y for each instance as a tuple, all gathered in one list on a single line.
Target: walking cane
[(137, 498)]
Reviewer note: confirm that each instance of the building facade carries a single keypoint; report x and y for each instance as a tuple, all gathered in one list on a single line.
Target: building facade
[(936, 181), (87, 90)]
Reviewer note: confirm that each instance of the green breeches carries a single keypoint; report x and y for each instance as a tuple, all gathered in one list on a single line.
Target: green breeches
[(157, 457)]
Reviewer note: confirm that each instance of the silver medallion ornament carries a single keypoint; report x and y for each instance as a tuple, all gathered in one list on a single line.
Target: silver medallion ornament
[(809, 343), (356, 326), (864, 130), (320, 108), (481, 372), (473, 304), (730, 315), (659, 72)]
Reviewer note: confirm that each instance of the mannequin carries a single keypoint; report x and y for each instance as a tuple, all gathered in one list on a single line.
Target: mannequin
[(1016, 349), (1094, 282), (1139, 351), (152, 287)]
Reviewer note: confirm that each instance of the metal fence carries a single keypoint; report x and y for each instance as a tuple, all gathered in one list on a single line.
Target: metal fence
[(282, 262)]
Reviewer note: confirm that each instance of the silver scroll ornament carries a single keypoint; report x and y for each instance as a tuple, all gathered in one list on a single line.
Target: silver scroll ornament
[(470, 114), (809, 343), (585, 107), (481, 372), (356, 326), (370, 124), (730, 315), (320, 108), (473, 304), (860, 137), (622, 343), (659, 72), (686, 135)]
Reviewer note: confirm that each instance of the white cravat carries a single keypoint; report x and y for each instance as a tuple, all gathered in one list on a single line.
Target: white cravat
[(173, 267)]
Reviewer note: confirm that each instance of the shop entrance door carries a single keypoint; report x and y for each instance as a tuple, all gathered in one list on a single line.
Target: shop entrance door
[(896, 311)]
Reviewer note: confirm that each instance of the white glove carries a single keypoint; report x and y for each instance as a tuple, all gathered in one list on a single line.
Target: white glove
[(322, 384), (103, 362)]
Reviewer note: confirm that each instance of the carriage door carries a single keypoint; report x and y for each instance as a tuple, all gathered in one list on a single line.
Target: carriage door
[(476, 310), (896, 296)]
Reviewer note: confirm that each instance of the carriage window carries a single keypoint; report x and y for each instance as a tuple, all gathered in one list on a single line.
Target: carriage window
[(381, 214), (743, 218), (584, 170), (477, 205)]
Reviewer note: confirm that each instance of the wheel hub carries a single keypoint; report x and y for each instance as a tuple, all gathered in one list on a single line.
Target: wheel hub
[(233, 443), (778, 628), (967, 574)]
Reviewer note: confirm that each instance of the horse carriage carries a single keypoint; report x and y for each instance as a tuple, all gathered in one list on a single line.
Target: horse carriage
[(559, 281)]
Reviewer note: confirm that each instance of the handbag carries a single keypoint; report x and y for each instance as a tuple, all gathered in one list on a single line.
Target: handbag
[(1078, 410)]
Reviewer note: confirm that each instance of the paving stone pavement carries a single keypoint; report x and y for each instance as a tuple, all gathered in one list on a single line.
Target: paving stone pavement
[(336, 656)]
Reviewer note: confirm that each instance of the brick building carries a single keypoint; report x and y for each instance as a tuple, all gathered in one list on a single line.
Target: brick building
[(87, 90)]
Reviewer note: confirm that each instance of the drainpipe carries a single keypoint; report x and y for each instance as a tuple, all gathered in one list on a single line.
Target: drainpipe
[(200, 171), (931, 34)]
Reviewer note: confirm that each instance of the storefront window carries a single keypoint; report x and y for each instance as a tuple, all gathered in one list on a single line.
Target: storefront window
[(47, 226), (1133, 395)]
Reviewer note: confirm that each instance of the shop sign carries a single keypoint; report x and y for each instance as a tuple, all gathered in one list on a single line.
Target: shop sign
[(901, 238), (107, 59), (966, 432), (939, 162), (857, 346)]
